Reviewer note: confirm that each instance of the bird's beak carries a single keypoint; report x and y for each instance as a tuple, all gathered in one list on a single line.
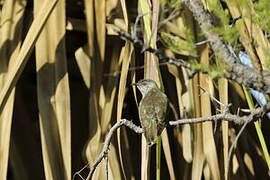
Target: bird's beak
[(133, 84)]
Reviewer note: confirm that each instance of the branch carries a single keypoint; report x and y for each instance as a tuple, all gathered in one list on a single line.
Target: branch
[(107, 142), (238, 72), (136, 41), (254, 114), (105, 149), (250, 77)]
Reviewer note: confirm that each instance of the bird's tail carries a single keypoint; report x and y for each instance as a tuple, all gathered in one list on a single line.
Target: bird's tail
[(151, 136)]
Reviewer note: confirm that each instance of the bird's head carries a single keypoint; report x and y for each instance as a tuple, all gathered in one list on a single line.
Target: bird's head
[(145, 85)]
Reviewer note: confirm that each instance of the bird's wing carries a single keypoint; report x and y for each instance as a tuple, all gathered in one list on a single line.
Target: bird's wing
[(152, 111), (160, 107)]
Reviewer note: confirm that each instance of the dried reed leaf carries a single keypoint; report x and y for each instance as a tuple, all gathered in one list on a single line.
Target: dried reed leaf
[(53, 94), (125, 14), (198, 156), (189, 104), (17, 163), (206, 172), (100, 14), (89, 13), (256, 34), (25, 50), (155, 74), (111, 88), (249, 163), (238, 165), (100, 26), (126, 56), (83, 61), (235, 164), (168, 153), (11, 26), (173, 70), (244, 32), (186, 107), (107, 111), (185, 90), (111, 7), (223, 97), (187, 143), (95, 19), (74, 24), (149, 72), (94, 144), (209, 146)]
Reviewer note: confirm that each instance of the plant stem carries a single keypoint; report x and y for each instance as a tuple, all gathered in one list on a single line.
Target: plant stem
[(158, 157), (258, 129)]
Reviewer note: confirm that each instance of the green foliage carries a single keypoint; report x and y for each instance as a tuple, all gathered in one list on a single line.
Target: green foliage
[(222, 22), (262, 14), (240, 2), (178, 45), (214, 71), (174, 4), (267, 53)]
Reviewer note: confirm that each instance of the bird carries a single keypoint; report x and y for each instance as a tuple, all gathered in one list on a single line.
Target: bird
[(152, 110)]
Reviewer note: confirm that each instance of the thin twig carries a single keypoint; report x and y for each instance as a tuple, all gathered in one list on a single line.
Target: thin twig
[(162, 58), (176, 116), (106, 146), (173, 15), (258, 112), (107, 142), (213, 98), (106, 167), (135, 68), (231, 149), (134, 31), (202, 42)]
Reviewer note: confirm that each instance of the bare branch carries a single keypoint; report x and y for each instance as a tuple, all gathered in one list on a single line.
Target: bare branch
[(232, 147), (107, 142), (258, 112), (136, 41), (173, 15), (105, 149)]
